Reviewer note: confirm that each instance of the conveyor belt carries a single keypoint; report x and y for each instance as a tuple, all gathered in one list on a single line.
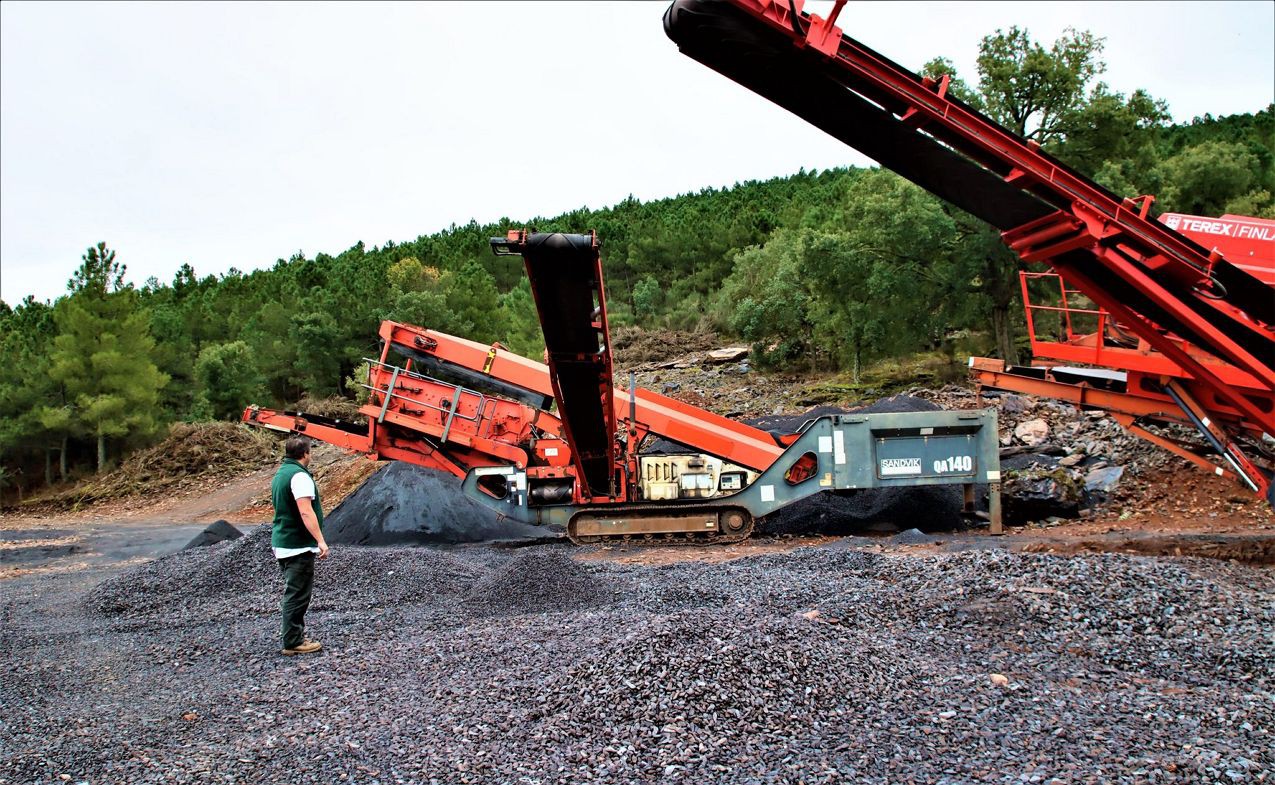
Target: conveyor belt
[(566, 281), (963, 157)]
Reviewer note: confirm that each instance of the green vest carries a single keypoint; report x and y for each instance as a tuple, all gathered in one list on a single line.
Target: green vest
[(289, 531)]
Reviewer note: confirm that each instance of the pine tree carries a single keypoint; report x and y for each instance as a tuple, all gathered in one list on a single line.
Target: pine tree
[(102, 354), (25, 386)]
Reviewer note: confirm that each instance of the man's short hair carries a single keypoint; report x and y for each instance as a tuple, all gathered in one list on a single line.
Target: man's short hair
[(297, 447)]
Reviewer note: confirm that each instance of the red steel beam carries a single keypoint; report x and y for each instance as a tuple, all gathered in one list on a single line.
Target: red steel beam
[(294, 423), (492, 360), (944, 119), (1172, 349), (1126, 408), (1129, 425), (711, 433), (990, 372)]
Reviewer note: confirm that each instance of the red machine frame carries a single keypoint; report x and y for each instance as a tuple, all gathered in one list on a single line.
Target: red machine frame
[(1201, 311), (453, 427)]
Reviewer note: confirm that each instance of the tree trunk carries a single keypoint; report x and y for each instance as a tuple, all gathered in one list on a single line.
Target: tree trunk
[(101, 452), (858, 361), (62, 460), (48, 466), (1004, 340)]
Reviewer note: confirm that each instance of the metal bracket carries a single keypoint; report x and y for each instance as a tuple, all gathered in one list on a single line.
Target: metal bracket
[(389, 393), (451, 414)]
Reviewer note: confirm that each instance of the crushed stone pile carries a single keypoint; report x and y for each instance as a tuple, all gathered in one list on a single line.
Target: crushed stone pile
[(1043, 426), (404, 504), (215, 532), (539, 581), (817, 665), (221, 581)]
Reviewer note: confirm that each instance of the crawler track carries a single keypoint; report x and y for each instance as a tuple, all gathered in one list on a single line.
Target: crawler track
[(733, 525)]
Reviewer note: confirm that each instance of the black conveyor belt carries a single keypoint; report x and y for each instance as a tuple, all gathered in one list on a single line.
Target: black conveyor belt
[(732, 42), (562, 270)]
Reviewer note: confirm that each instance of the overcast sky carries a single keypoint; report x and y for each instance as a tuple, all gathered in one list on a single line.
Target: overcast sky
[(233, 134)]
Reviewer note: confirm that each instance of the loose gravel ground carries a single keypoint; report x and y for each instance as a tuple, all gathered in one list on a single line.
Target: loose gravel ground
[(525, 666)]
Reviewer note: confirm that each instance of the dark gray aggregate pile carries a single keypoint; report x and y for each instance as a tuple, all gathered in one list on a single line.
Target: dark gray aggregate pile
[(405, 504), (213, 533), (241, 576), (539, 581), (490, 666)]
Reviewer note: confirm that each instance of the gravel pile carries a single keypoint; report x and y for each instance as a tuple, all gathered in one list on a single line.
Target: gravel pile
[(402, 504), (228, 579), (818, 665), (536, 582)]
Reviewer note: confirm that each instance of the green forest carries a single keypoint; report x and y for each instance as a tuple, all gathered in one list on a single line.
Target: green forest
[(820, 270)]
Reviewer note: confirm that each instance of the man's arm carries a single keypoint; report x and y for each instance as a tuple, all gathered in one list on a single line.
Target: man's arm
[(311, 522)]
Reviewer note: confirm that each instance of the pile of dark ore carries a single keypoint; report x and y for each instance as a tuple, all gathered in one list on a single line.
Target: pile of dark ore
[(404, 504), (485, 665), (241, 576), (539, 581)]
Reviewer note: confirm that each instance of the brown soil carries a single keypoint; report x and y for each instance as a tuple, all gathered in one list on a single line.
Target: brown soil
[(1251, 550), (633, 345), (1188, 499)]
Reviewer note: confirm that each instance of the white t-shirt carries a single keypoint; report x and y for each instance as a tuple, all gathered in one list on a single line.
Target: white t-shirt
[(302, 486)]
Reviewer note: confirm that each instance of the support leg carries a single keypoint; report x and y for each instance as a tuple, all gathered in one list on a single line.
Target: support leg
[(994, 508)]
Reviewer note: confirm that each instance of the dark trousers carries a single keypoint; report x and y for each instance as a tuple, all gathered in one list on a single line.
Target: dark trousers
[(298, 580)]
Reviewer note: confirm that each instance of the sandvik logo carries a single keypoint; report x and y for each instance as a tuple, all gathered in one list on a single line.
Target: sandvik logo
[(892, 467)]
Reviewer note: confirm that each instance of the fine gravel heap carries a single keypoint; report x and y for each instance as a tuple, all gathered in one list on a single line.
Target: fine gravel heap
[(226, 581), (402, 504), (490, 665)]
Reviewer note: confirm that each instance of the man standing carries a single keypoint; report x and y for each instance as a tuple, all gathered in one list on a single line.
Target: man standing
[(297, 537)]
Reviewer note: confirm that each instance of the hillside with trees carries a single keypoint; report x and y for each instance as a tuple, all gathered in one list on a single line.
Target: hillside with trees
[(827, 270)]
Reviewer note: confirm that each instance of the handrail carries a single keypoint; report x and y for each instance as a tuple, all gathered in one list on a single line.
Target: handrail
[(389, 393)]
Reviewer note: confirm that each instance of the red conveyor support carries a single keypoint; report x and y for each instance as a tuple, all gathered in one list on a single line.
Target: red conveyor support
[(1158, 282)]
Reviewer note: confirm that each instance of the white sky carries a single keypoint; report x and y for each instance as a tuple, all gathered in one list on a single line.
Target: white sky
[(234, 134)]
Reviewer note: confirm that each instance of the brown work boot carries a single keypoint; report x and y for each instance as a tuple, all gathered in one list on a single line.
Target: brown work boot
[(306, 647)]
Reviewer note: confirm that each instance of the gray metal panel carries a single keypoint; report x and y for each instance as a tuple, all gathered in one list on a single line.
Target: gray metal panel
[(848, 450)]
